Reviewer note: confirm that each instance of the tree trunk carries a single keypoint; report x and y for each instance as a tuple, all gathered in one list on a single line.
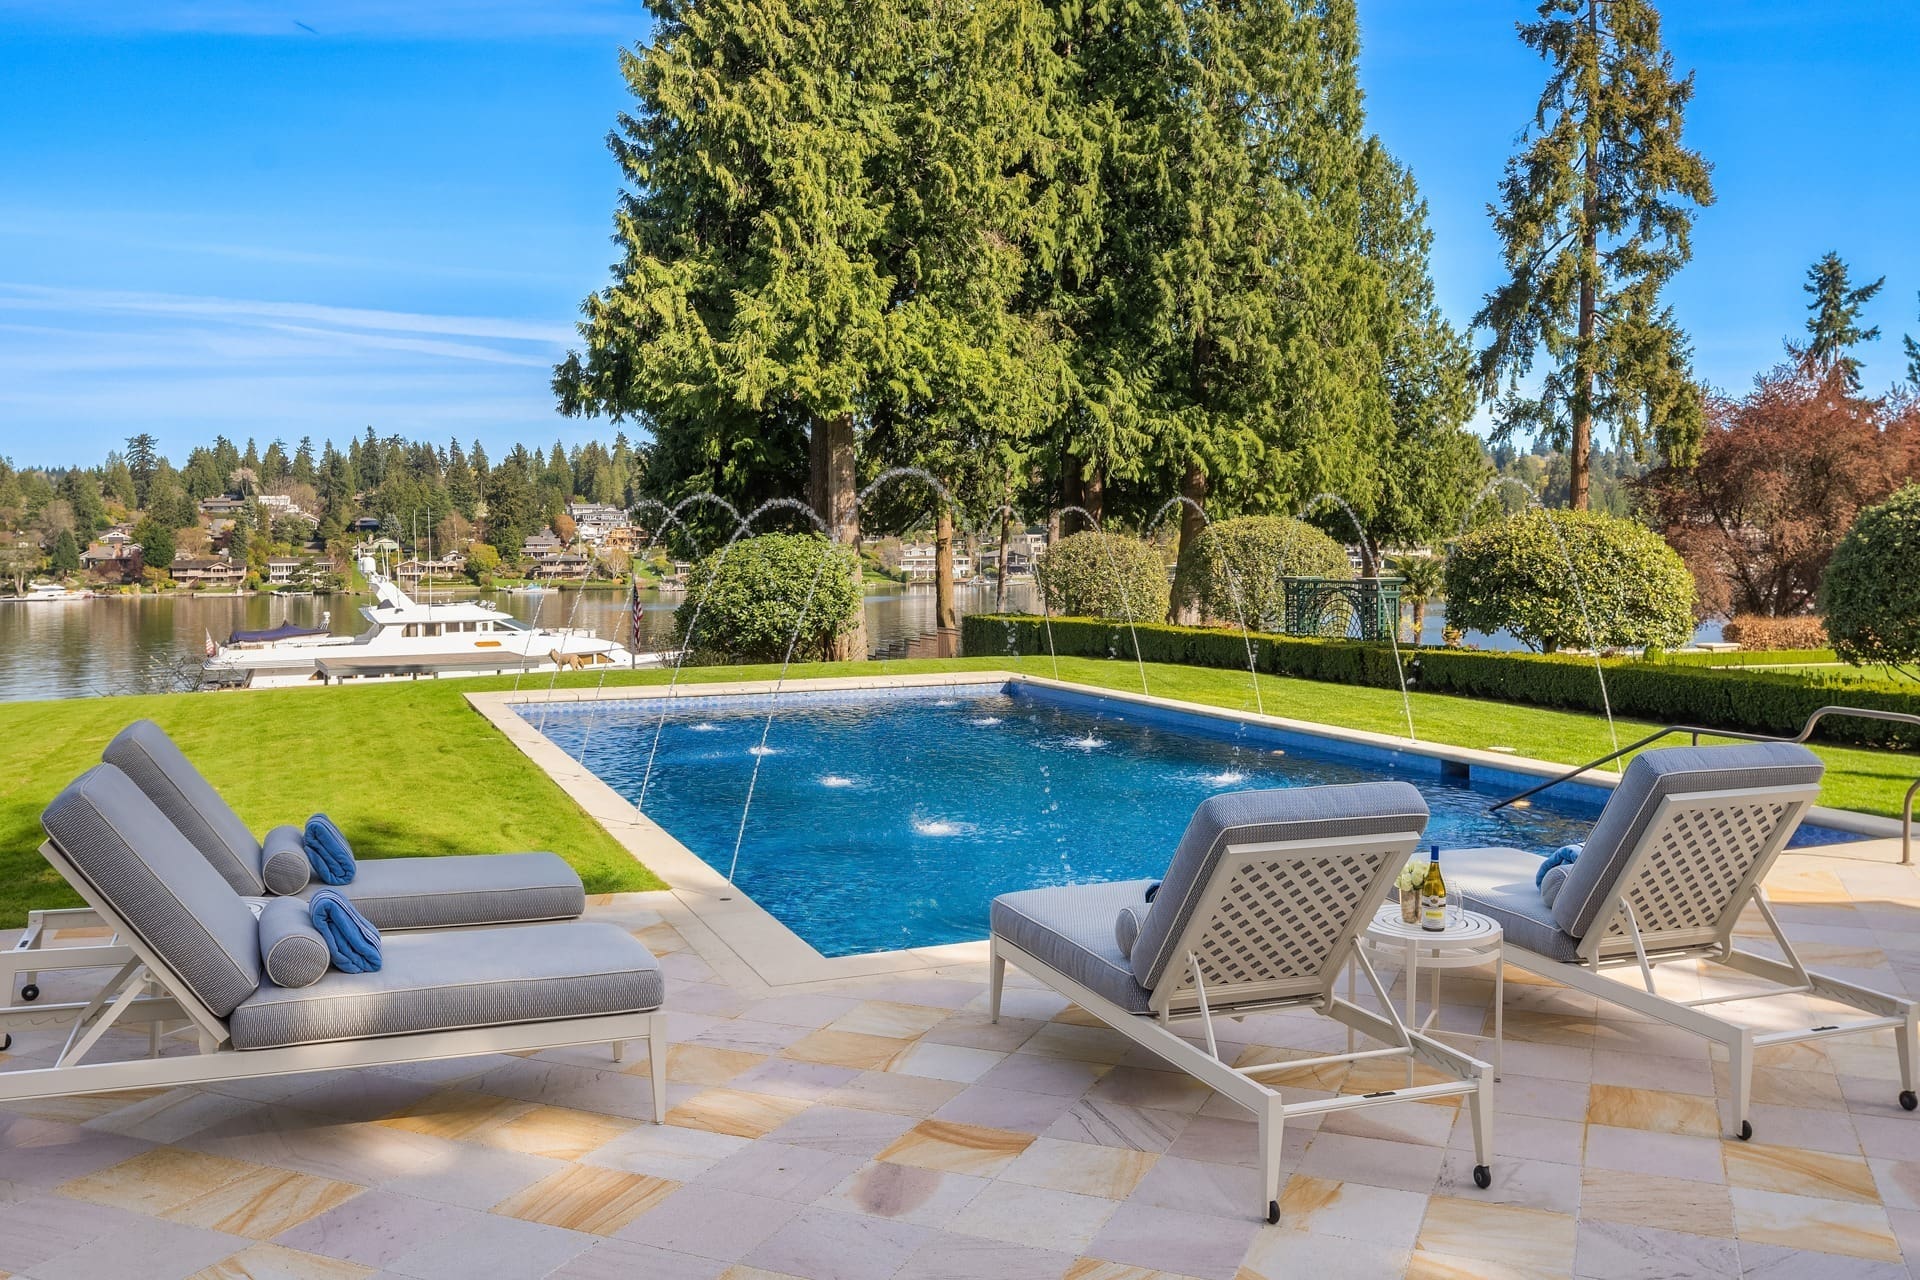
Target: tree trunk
[(1193, 522), (1071, 494), (1006, 544), (945, 618), (1093, 494), (1580, 459), (836, 500)]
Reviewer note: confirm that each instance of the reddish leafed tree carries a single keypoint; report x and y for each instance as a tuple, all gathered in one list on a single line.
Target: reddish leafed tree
[(1782, 473)]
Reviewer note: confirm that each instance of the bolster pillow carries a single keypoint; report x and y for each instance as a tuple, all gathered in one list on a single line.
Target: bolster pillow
[(291, 949), (1126, 928), (284, 867), (328, 851), (1551, 883)]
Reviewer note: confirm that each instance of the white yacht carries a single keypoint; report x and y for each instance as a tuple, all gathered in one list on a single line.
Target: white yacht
[(404, 639), (52, 592)]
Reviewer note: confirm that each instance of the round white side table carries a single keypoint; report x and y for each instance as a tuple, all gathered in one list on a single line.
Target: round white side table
[(1470, 940)]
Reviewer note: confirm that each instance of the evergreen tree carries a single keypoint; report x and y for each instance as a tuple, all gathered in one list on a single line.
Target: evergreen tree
[(251, 458), (65, 557), (510, 506), (117, 481), (143, 452), (461, 489), (303, 470), (274, 467), (1833, 328), (156, 543), (1913, 360), (1594, 221), (82, 493)]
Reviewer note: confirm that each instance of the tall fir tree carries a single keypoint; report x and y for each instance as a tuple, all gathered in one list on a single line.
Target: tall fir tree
[(1833, 320), (143, 451), (1595, 219)]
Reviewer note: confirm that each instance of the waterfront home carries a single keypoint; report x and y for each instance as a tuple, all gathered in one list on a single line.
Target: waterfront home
[(917, 562), (287, 570), (207, 571), (451, 565), (540, 544), (224, 505), (561, 564)]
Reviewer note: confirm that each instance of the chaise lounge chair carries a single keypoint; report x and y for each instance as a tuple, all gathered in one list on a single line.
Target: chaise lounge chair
[(442, 994), (1259, 910), (456, 891), (1678, 853)]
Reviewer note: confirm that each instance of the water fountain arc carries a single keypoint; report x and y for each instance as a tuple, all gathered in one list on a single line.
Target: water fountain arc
[(1393, 632), (1233, 583), (1113, 566)]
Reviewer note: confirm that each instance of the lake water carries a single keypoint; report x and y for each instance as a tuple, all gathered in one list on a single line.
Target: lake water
[(109, 645)]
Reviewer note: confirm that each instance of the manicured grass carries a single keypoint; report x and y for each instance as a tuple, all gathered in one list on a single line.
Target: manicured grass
[(410, 768)]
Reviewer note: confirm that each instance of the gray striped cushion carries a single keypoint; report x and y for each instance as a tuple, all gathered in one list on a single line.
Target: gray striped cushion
[(454, 980), (291, 950), (1251, 817), (283, 861), (465, 889), (159, 884), (1653, 776), (1499, 883), (147, 755), (1070, 927)]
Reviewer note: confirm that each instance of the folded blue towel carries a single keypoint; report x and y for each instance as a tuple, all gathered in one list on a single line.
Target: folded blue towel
[(353, 944), (1565, 854), (328, 851)]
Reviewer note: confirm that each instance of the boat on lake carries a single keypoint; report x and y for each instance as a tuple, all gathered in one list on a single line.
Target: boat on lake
[(406, 638), (51, 593)]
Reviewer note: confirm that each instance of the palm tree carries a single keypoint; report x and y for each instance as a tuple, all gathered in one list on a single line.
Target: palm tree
[(1422, 576)]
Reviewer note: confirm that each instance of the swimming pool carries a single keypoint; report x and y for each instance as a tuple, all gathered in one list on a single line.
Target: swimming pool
[(889, 818)]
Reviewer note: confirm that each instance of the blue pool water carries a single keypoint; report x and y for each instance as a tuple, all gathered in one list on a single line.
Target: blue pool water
[(884, 819)]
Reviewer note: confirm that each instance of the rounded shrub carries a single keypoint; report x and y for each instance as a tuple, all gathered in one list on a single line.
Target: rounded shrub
[(745, 602), (1103, 575), (1520, 574), (1238, 564), (1871, 593)]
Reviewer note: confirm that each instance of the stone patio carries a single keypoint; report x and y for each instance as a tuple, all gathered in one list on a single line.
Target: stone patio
[(880, 1128)]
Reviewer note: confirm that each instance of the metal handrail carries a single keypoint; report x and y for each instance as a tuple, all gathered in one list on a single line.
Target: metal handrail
[(1806, 731)]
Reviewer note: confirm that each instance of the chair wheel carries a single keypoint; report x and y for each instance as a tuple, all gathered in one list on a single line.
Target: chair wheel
[(6, 1042), (1907, 1101), (30, 992), (1746, 1130), (1273, 1211), (1482, 1176)]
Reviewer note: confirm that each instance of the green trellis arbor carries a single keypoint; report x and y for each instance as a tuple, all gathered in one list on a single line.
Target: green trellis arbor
[(1367, 607)]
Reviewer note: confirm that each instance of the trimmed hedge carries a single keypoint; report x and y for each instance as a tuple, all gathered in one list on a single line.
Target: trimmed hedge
[(1666, 692), (1757, 631)]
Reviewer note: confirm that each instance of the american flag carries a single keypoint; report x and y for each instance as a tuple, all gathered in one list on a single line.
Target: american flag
[(633, 622), (212, 648)]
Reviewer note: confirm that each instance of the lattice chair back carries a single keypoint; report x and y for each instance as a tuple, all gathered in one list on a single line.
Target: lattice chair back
[(1699, 864), (1269, 889)]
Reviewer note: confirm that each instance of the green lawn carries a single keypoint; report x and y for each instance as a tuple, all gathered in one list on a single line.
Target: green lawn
[(410, 768)]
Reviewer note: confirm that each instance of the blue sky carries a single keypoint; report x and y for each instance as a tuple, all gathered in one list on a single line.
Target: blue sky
[(274, 219)]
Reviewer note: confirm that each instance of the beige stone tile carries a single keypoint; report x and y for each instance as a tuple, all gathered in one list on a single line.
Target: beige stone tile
[(1781, 1087), (889, 1019), (1074, 1015), (275, 1262), (588, 1198), (158, 1180), (744, 1115), (1524, 1239), (741, 1271), (1800, 1173), (1375, 1074), (1802, 1222), (263, 1203), (1440, 1266), (703, 1064), (1643, 1200), (79, 1108), (1654, 1109), (454, 1114), (1080, 1167), (1095, 1269), (851, 1049), (560, 1133), (1327, 1076), (957, 1148), (661, 939)]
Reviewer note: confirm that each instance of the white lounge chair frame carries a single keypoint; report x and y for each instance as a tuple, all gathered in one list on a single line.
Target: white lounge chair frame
[(145, 990), (1302, 902), (1680, 897)]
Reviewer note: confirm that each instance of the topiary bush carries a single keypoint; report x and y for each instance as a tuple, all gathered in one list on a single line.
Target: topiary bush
[(1239, 563), (1103, 575), (1871, 593), (1514, 574), (745, 602), (1758, 631)]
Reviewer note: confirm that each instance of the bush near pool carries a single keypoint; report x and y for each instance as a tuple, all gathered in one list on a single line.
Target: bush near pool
[(1662, 690)]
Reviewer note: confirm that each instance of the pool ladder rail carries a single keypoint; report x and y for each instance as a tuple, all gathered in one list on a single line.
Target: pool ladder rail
[(1694, 731)]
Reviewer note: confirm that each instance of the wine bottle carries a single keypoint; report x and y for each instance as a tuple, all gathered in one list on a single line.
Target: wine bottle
[(1433, 896)]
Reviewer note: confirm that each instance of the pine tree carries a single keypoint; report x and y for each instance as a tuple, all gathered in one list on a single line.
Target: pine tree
[(1913, 360), (65, 557), (303, 471), (143, 451), (1833, 327), (1594, 220)]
